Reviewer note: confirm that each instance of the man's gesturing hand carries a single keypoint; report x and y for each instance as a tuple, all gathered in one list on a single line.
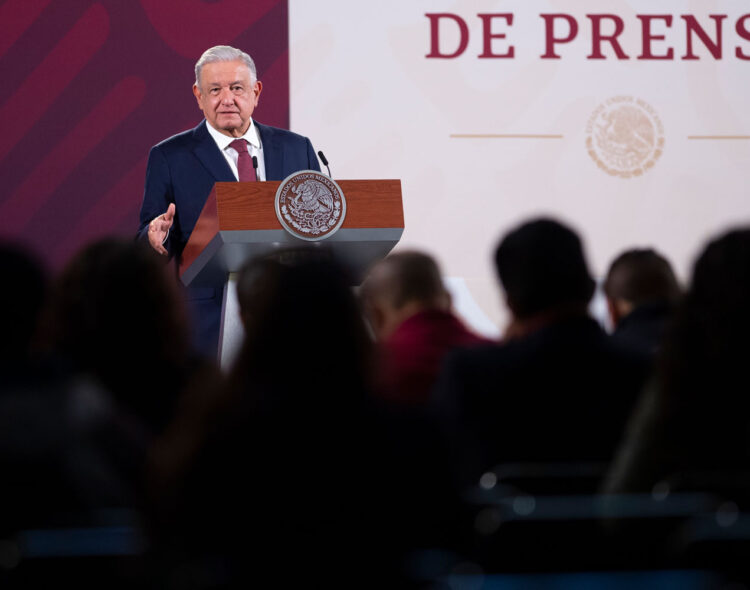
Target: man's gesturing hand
[(159, 228)]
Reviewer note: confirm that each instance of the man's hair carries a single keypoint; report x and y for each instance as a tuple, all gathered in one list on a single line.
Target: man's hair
[(224, 53), (413, 277), (541, 266), (641, 276)]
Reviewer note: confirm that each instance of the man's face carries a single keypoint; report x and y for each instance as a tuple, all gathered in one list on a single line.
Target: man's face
[(227, 96)]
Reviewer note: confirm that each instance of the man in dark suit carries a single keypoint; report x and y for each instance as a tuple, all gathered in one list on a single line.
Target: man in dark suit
[(558, 389), (182, 169)]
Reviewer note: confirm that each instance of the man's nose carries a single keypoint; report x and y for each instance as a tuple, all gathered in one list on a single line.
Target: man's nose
[(226, 96)]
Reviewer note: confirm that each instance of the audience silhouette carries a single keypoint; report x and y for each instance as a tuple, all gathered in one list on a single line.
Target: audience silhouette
[(333, 455), (690, 431), (558, 389), (289, 461), (409, 311), (642, 291), (118, 318), (21, 306)]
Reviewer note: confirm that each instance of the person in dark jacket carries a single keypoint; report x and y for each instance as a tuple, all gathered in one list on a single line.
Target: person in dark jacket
[(558, 389), (288, 470), (691, 428), (642, 291)]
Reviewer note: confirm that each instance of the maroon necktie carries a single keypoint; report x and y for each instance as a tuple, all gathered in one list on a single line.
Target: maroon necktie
[(245, 169)]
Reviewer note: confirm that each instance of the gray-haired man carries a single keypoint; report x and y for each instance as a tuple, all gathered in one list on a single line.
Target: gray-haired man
[(182, 169)]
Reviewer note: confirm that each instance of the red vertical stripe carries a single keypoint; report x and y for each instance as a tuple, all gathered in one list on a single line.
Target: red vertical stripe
[(55, 167), (106, 213), (40, 89), (15, 17), (202, 24)]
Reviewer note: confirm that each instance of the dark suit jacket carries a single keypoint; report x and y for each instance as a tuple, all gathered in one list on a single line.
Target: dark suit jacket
[(182, 170), (562, 393), (644, 328)]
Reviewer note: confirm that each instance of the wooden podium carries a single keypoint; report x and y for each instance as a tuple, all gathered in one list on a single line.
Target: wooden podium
[(239, 222)]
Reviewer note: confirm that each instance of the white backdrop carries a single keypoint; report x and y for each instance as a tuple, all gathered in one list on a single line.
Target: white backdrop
[(363, 90)]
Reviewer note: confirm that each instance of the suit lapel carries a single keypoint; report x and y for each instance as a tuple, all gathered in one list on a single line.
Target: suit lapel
[(206, 150), (273, 157)]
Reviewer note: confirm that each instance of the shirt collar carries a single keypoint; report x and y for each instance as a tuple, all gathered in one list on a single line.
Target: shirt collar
[(223, 141)]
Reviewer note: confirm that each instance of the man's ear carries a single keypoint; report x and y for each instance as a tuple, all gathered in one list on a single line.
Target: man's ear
[(197, 94), (257, 90)]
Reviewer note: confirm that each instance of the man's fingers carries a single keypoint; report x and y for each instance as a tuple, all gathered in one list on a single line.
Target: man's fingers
[(169, 215), (157, 231), (158, 228), (156, 238)]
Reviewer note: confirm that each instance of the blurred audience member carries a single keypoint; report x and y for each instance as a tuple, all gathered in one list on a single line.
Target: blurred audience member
[(21, 302), (30, 424), (409, 311), (642, 291), (692, 424), (285, 475), (559, 389), (117, 317), (77, 440)]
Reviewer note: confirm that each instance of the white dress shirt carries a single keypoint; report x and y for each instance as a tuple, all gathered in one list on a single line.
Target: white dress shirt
[(255, 148)]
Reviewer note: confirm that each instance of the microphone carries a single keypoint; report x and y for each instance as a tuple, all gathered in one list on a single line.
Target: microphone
[(325, 163), (255, 167)]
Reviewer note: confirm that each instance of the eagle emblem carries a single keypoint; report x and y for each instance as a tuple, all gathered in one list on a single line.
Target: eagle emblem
[(310, 205)]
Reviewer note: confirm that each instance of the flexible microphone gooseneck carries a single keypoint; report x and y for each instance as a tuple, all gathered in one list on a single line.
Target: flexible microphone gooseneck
[(255, 167), (325, 163)]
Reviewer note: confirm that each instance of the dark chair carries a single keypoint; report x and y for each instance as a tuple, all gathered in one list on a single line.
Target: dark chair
[(546, 478), (96, 549), (548, 517)]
